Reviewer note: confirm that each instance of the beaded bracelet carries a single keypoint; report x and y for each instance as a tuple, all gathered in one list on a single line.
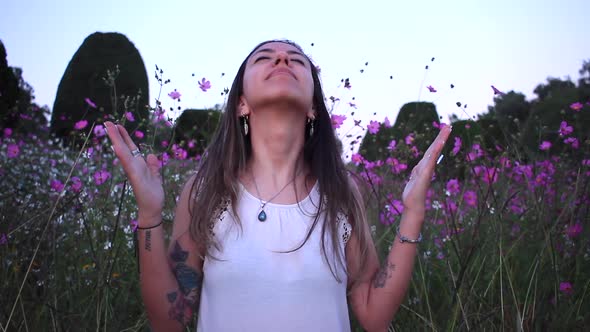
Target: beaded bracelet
[(403, 238), (143, 228)]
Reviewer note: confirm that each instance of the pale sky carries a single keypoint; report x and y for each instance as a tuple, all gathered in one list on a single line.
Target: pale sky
[(513, 45)]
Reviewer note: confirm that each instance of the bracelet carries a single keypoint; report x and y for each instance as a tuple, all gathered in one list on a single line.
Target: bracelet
[(403, 238), (143, 228)]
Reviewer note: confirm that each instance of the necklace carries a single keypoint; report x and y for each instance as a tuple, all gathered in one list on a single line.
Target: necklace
[(262, 215)]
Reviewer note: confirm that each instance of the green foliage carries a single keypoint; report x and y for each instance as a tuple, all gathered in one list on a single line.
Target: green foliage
[(196, 126), (416, 118), (511, 111), (87, 77)]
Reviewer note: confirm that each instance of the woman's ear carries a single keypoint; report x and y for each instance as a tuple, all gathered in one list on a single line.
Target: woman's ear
[(243, 108), (311, 114)]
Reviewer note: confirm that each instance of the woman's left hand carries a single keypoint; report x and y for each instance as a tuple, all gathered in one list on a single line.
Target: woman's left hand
[(414, 195)]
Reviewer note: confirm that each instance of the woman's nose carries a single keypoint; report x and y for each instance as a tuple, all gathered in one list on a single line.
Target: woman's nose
[(282, 56)]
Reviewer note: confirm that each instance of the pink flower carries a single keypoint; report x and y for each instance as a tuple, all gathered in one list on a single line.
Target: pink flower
[(99, 131), (357, 158), (573, 141), (564, 129), (431, 89), (204, 85), (545, 145), (76, 184), (337, 120), (566, 287), (453, 186), (396, 166), (129, 116), (577, 106), (457, 146), (178, 152), (56, 185), (586, 162), (80, 124), (90, 103), (409, 139), (101, 177), (7, 132), (470, 198), (391, 145), (496, 91), (164, 144), (573, 230), (3, 239), (139, 134), (174, 95), (386, 123), (373, 127), (13, 151), (164, 159)]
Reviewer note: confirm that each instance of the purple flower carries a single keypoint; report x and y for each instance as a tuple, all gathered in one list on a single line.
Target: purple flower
[(80, 124), (13, 150), (139, 134), (3, 239), (431, 89), (175, 95), (129, 116), (470, 198), (577, 106), (76, 184), (396, 166), (99, 131), (391, 145), (453, 186), (56, 185), (496, 91), (90, 103), (164, 159), (457, 146), (566, 287), (204, 85), (545, 145), (573, 142), (357, 158), (564, 129), (386, 123), (7, 132), (573, 230), (409, 139), (178, 152), (134, 224), (373, 127), (101, 177), (337, 120)]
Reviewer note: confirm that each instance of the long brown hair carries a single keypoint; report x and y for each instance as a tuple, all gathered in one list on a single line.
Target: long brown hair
[(227, 154)]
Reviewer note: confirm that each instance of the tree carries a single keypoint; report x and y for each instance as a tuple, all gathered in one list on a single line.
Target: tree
[(196, 126)]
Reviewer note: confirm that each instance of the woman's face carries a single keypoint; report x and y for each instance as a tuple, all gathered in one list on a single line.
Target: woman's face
[(278, 74)]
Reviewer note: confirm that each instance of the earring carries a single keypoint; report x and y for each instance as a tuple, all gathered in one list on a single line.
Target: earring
[(310, 121), (245, 125)]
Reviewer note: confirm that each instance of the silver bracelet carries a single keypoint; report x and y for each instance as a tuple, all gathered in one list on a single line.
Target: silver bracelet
[(403, 238)]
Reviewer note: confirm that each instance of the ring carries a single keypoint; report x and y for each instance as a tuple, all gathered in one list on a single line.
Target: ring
[(135, 153)]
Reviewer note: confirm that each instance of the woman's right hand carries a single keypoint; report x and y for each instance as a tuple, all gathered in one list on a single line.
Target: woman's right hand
[(143, 174)]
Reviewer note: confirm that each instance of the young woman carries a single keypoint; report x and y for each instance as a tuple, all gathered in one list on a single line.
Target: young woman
[(270, 234)]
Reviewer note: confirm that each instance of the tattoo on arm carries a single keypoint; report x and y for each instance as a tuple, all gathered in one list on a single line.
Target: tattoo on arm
[(384, 273), (185, 301), (148, 240)]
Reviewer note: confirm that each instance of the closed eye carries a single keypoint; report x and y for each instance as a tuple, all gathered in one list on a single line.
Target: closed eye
[(298, 60), (261, 58)]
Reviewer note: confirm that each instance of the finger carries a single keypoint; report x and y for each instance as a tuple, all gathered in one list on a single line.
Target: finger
[(121, 145), (128, 140), (433, 152)]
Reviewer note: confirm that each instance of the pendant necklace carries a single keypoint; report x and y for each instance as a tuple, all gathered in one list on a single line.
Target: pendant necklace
[(262, 215)]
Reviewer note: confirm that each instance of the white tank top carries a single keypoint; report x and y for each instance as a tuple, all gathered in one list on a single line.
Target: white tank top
[(254, 287)]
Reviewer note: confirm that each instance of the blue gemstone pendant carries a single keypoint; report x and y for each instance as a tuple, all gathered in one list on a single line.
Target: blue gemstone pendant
[(262, 216)]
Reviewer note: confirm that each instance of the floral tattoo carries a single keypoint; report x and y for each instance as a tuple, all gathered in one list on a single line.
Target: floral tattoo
[(185, 300)]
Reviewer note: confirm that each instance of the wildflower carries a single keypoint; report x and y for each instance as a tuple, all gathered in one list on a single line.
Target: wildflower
[(396, 166), (391, 145), (545, 145), (80, 124), (470, 198), (409, 139), (457, 146), (56, 185), (573, 141), (204, 85), (129, 116), (90, 103), (566, 287), (13, 151), (453, 186), (139, 134), (179, 153), (337, 120), (164, 159), (386, 123), (577, 106), (3, 239), (564, 129), (573, 230), (373, 127), (134, 224), (431, 89), (7, 132), (353, 105), (586, 162), (164, 144), (357, 158), (496, 91), (174, 95), (76, 184), (99, 131), (101, 176), (475, 153)]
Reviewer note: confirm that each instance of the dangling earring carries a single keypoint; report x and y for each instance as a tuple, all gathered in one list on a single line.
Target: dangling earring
[(245, 125), (310, 121)]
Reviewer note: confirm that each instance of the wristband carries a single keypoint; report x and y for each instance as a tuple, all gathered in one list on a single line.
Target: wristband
[(403, 238), (156, 225)]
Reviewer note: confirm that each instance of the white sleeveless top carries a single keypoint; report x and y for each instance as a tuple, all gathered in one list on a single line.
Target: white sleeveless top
[(255, 287)]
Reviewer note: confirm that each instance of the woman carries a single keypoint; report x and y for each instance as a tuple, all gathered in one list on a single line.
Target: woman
[(270, 234)]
